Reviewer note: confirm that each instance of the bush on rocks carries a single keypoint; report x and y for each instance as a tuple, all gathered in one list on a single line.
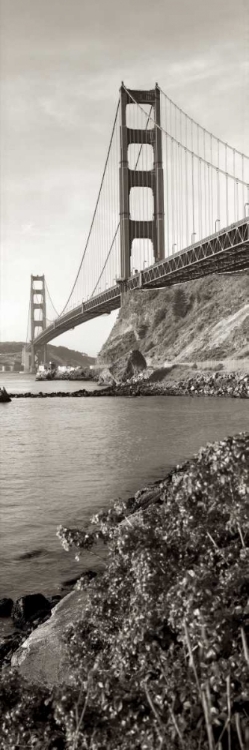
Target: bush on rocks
[(160, 657)]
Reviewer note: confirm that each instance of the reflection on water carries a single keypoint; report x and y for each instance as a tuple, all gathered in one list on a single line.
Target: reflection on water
[(62, 460)]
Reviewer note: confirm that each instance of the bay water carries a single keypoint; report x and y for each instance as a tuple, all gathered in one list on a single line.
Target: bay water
[(63, 459)]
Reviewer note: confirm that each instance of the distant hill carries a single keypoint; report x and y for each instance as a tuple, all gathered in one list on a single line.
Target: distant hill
[(11, 352)]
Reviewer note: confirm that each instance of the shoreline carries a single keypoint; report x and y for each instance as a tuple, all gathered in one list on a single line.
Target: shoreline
[(144, 498), (218, 384)]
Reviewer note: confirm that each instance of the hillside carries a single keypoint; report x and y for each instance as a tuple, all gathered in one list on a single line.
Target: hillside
[(11, 352), (203, 319)]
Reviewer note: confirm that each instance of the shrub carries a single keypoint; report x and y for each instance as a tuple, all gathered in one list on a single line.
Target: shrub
[(180, 305), (142, 330), (159, 316), (160, 657)]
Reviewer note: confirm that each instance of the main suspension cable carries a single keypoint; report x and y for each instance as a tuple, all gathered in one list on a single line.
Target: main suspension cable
[(49, 296), (192, 153), (117, 228), (194, 122), (28, 321), (95, 210), (106, 260)]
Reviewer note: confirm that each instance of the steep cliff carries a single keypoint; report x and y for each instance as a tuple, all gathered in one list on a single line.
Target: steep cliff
[(204, 319)]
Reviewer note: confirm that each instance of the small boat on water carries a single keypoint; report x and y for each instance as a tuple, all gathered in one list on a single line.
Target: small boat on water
[(4, 396)]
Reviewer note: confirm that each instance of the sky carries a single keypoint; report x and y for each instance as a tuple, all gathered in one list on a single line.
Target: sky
[(62, 63)]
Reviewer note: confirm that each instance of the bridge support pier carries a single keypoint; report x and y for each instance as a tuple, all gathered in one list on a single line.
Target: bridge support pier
[(32, 360)]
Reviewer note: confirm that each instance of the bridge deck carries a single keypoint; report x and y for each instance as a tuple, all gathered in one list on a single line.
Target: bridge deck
[(225, 251)]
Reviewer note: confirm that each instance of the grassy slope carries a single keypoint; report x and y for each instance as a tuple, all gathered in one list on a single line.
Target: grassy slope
[(203, 319)]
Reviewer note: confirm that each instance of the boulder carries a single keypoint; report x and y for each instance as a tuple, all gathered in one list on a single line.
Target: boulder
[(30, 607), (42, 659), (129, 366), (8, 646), (4, 396), (53, 600), (105, 377), (6, 605)]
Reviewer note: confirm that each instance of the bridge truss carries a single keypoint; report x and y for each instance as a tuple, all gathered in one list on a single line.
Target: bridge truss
[(223, 253)]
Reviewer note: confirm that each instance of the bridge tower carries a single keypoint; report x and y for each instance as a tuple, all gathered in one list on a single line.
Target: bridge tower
[(130, 230), (37, 302)]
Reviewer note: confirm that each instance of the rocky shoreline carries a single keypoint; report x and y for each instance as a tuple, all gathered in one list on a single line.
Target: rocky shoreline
[(28, 612), (25, 614), (220, 384)]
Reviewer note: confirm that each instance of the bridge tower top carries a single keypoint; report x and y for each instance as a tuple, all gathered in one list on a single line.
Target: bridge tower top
[(37, 304), (129, 178)]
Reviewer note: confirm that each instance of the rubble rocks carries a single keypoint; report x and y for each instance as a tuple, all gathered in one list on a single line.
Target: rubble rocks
[(6, 605), (4, 396), (42, 658), (235, 385), (231, 384), (29, 608), (8, 645)]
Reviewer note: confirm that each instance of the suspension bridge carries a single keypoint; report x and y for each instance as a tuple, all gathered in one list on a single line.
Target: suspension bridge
[(173, 205)]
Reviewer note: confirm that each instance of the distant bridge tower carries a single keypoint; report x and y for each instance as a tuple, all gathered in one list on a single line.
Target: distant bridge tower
[(37, 314), (129, 178)]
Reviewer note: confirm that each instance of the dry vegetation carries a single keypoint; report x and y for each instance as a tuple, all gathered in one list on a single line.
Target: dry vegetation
[(159, 658)]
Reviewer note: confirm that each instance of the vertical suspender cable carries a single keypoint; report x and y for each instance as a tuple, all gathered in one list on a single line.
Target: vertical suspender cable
[(218, 182), (193, 186), (243, 177), (186, 179), (175, 181), (227, 210), (205, 183), (234, 184), (180, 186), (167, 186), (211, 183), (198, 182), (172, 182), (209, 202), (181, 201), (167, 178)]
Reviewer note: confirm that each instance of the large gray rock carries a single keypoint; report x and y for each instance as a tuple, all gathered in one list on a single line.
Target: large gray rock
[(105, 377), (129, 366), (42, 659)]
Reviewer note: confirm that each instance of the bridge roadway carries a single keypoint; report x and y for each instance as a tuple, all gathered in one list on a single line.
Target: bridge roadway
[(227, 250)]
